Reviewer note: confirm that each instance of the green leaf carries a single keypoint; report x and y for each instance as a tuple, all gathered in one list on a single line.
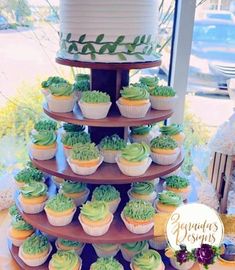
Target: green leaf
[(63, 44), (91, 47), (148, 39), (68, 37), (103, 48), (93, 56), (130, 47), (84, 48), (142, 39), (99, 38), (158, 46), (139, 56), (119, 39), (112, 48), (149, 50), (136, 40), (72, 47), (82, 38), (145, 49), (122, 56)]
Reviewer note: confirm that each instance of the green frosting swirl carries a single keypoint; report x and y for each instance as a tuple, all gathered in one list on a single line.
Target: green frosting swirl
[(64, 260), (113, 142), (87, 151), (44, 138), (95, 210), (61, 89), (163, 142), (144, 188), (19, 223), (141, 130), (134, 93), (60, 203), (149, 81), (147, 260), (135, 152), (105, 193), (35, 244), (13, 211), (28, 175), (73, 138), (172, 129), (34, 189), (139, 210), (95, 97), (163, 91), (176, 181), (73, 128), (135, 246), (106, 264), (68, 243), (44, 125), (170, 198), (52, 80), (73, 187)]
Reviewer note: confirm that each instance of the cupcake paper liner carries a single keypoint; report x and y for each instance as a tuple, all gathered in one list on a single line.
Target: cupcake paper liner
[(105, 253), (78, 250), (95, 230), (42, 154), (134, 170), (162, 267), (162, 104), (84, 170), (31, 208), (151, 197), (60, 221), (16, 242), (34, 262), (158, 245), (60, 105), (184, 266), (155, 181), (67, 152), (113, 205), (128, 255), (184, 195), (109, 155), (56, 182), (133, 111), (139, 229), (147, 138), (162, 159), (79, 201), (95, 111)]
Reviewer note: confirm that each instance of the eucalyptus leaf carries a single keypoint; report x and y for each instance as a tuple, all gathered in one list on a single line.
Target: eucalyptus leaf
[(84, 48), (145, 49), (136, 40), (122, 56), (112, 47), (72, 47), (150, 50), (68, 37), (148, 39), (139, 56), (130, 47), (82, 38), (120, 39), (103, 48), (142, 40), (91, 47), (100, 38), (93, 56)]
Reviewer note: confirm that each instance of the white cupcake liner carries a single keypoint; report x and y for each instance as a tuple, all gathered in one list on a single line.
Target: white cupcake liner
[(113, 205), (94, 111), (105, 253), (34, 262), (129, 255), (155, 181), (67, 151), (31, 208), (80, 200), (163, 103), (134, 170), (133, 111), (158, 245), (56, 182), (151, 197), (139, 229), (163, 159), (42, 154), (60, 221), (16, 242), (84, 170), (78, 250), (184, 266), (109, 155), (95, 230), (146, 138), (60, 105), (184, 195), (162, 267)]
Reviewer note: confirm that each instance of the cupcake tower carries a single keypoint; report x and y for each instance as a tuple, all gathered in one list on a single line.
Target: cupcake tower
[(95, 212)]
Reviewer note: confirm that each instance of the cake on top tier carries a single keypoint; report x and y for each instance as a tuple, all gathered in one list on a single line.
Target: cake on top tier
[(108, 30)]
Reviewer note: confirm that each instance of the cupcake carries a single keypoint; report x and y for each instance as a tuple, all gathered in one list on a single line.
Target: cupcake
[(95, 104), (129, 250), (149, 81), (81, 84), (106, 250), (85, 159), (19, 230), (178, 184), (13, 211), (75, 190), (71, 138), (164, 150), (158, 243), (35, 250), (33, 197), (110, 147), (106, 264), (95, 218), (142, 191), (60, 210), (175, 131), (168, 201), (64, 260), (134, 159), (134, 102), (45, 125), (51, 80), (63, 244), (150, 258), (57, 181), (61, 97), (43, 145), (138, 216), (28, 175), (163, 98), (109, 194), (67, 127), (142, 134)]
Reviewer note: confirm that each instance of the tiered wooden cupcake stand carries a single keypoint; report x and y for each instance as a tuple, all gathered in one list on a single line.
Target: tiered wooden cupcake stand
[(109, 78)]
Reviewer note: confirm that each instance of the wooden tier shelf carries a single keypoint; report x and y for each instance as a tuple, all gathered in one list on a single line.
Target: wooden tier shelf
[(108, 66), (114, 118), (105, 174)]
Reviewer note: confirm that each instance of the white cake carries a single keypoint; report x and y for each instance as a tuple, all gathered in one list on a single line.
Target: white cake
[(108, 30)]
